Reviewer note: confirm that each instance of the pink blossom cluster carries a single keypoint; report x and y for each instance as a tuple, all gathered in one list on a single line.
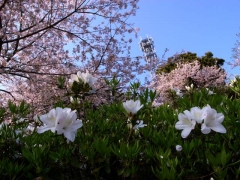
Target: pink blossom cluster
[(236, 53), (178, 78), (41, 40)]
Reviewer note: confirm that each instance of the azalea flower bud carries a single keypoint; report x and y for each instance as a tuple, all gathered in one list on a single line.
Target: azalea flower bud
[(189, 88), (129, 125), (178, 148), (72, 100)]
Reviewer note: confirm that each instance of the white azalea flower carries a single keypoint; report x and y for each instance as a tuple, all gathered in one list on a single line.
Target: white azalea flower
[(178, 148), (139, 124), (49, 120), (85, 77), (69, 127), (73, 78), (212, 121), (64, 121), (196, 114), (132, 106), (185, 123)]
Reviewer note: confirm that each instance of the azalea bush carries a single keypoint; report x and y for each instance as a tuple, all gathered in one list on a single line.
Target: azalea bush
[(194, 138), (93, 128)]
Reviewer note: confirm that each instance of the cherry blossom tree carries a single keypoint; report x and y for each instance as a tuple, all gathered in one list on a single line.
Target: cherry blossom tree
[(236, 53), (40, 40), (185, 74)]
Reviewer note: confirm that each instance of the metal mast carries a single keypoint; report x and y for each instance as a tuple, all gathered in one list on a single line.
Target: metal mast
[(147, 46)]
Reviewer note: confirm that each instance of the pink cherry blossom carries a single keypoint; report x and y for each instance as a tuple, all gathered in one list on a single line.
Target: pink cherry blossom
[(41, 40)]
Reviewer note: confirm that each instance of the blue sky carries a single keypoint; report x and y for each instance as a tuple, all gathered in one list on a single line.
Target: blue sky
[(190, 25)]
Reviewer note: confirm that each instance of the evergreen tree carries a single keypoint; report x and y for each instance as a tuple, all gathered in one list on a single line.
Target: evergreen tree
[(189, 57)]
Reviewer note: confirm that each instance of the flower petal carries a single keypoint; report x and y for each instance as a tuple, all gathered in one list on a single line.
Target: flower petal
[(196, 114), (219, 117), (76, 125), (219, 128), (181, 125), (205, 129), (70, 135), (186, 132), (42, 129)]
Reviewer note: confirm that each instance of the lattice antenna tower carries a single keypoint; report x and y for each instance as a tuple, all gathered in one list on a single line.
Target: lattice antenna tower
[(147, 46)]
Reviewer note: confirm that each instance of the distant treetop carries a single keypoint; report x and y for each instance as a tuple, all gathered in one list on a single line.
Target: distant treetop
[(188, 57)]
